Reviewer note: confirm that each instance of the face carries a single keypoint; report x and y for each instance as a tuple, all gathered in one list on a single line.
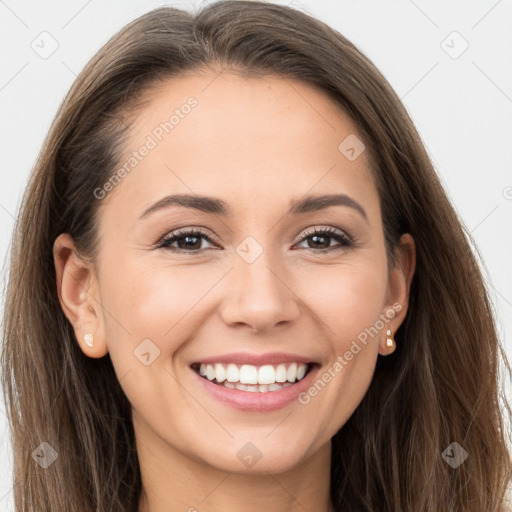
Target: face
[(253, 285)]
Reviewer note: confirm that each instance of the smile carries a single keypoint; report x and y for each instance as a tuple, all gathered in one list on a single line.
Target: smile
[(247, 377)]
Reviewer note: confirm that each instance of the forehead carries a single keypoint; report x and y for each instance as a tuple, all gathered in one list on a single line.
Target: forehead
[(224, 135)]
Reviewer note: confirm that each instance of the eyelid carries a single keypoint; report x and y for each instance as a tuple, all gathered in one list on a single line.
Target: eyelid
[(323, 229), (201, 231)]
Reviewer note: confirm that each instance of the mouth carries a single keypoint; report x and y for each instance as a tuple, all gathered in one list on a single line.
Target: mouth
[(257, 379), (255, 383)]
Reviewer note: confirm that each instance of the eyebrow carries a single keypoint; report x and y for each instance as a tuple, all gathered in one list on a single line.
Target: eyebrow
[(219, 207)]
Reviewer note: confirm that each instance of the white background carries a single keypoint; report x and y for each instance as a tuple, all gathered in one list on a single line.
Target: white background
[(462, 106)]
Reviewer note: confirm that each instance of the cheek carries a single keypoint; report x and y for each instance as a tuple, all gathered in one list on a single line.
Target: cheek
[(349, 298), (349, 301), (153, 300), (150, 311)]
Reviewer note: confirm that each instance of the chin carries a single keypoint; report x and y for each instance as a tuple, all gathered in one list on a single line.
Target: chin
[(256, 458)]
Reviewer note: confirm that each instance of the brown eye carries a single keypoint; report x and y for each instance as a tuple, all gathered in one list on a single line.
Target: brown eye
[(187, 241), (320, 239)]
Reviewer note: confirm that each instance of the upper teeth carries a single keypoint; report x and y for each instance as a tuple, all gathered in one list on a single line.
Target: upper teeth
[(249, 374)]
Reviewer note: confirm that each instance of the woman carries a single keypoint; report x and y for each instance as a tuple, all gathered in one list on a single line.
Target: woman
[(237, 283)]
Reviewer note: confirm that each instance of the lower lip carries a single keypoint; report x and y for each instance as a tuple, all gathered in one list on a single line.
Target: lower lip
[(256, 401)]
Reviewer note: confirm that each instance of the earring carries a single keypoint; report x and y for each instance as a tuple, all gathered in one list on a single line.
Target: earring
[(390, 340), (89, 340)]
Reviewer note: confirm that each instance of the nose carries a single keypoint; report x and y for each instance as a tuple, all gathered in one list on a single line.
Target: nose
[(258, 296)]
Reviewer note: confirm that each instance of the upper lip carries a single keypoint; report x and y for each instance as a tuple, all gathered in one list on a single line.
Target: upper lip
[(255, 359)]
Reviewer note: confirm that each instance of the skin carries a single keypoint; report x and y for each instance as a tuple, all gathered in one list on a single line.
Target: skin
[(257, 144)]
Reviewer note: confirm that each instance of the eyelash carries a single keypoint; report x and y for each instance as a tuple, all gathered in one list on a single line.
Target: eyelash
[(330, 232)]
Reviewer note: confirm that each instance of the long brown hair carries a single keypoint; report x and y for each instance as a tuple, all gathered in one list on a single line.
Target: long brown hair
[(440, 386)]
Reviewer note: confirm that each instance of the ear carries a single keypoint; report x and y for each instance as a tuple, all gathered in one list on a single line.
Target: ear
[(78, 295), (399, 285)]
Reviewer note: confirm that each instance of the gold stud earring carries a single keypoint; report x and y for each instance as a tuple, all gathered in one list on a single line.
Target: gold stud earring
[(390, 340), (89, 339)]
